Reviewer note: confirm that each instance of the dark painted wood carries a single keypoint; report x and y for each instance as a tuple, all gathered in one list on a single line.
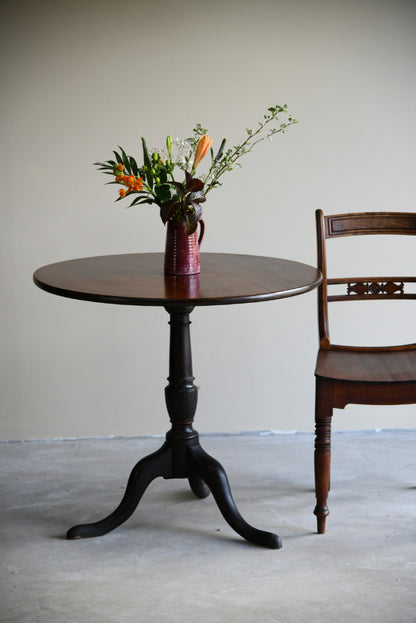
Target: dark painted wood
[(350, 374), (138, 279), (181, 456)]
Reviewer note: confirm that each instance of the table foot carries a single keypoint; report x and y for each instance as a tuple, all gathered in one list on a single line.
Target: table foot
[(146, 470), (213, 474), (198, 486)]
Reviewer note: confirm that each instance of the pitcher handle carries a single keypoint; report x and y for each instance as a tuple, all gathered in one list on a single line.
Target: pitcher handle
[(202, 231)]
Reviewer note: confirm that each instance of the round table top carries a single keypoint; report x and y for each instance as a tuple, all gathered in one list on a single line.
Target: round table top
[(138, 279)]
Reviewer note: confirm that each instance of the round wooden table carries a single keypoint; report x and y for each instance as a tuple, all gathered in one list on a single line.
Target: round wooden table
[(138, 279)]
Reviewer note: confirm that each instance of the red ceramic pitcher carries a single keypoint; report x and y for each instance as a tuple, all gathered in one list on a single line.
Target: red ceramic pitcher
[(182, 251)]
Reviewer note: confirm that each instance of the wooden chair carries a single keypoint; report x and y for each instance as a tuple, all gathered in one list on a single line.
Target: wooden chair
[(358, 375)]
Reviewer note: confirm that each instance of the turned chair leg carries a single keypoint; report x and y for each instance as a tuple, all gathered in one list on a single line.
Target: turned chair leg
[(323, 419)]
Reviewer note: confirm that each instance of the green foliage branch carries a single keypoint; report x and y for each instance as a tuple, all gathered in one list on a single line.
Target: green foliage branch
[(154, 181)]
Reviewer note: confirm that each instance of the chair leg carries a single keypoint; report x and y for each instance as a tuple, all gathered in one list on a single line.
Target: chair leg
[(323, 419)]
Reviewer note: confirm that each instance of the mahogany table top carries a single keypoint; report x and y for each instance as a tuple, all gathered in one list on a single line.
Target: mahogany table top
[(138, 279)]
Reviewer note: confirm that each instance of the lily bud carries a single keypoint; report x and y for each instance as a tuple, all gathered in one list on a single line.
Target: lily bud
[(204, 144)]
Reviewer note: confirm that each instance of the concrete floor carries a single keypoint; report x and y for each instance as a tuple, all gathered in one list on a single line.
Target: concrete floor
[(176, 559)]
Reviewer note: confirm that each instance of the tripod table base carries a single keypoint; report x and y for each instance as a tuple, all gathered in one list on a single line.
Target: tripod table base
[(179, 458)]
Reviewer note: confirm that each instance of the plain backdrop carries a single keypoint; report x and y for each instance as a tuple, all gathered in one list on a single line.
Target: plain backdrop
[(80, 78)]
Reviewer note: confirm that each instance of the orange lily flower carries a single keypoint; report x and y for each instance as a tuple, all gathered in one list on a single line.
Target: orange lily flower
[(131, 182), (204, 144), (138, 184)]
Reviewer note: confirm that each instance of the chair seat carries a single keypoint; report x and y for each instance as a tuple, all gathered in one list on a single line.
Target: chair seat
[(382, 366)]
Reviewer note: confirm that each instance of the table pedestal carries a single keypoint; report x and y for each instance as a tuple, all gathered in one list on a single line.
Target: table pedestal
[(181, 455)]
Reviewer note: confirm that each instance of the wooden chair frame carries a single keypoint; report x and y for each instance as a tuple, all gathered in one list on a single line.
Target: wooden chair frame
[(352, 374)]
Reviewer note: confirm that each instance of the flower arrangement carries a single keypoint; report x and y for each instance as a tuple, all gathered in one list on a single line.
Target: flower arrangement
[(154, 182)]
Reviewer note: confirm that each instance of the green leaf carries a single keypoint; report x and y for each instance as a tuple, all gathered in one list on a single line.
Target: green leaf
[(146, 158), (163, 192), (118, 157), (148, 164), (107, 163), (133, 166), (140, 201), (163, 176), (125, 160)]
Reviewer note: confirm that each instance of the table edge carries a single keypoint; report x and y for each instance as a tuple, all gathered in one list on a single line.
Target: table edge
[(188, 302), (143, 302)]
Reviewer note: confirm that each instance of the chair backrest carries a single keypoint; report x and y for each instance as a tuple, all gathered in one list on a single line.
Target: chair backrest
[(359, 288)]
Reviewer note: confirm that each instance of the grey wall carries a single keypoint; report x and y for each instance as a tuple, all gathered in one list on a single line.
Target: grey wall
[(81, 77)]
